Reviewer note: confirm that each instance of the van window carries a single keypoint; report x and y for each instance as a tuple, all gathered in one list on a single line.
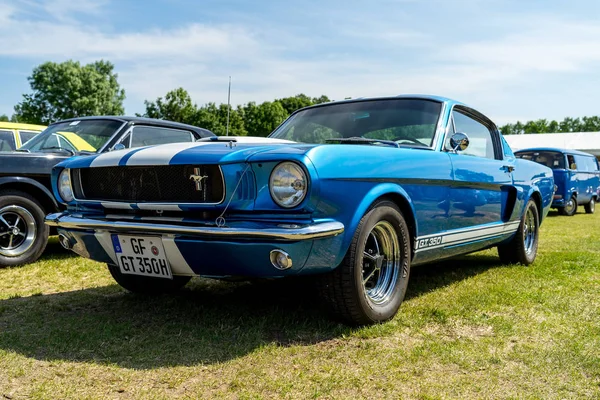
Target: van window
[(587, 163), (571, 162), (550, 159)]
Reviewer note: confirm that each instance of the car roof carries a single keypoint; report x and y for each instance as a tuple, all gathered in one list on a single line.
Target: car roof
[(18, 125), (139, 120), (430, 97), (555, 149)]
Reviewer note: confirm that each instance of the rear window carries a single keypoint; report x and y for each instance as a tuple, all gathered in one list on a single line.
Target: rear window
[(550, 159)]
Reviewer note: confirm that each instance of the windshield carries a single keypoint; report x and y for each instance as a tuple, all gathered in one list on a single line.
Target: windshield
[(74, 136), (410, 122), (550, 159)]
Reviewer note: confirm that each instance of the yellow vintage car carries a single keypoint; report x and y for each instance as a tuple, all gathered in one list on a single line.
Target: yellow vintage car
[(13, 135)]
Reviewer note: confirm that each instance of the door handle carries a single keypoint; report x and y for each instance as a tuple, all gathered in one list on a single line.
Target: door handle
[(508, 168)]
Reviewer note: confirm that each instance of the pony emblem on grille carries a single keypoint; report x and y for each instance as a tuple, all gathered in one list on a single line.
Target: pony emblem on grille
[(197, 179)]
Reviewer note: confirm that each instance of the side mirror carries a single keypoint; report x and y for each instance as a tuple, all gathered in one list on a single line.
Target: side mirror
[(459, 142), (119, 146)]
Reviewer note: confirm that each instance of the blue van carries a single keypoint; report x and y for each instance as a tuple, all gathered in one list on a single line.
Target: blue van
[(576, 174)]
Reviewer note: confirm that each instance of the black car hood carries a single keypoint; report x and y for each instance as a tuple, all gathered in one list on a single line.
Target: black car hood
[(22, 163)]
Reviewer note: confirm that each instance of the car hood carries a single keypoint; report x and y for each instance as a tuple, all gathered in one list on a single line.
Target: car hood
[(206, 152), (21, 163)]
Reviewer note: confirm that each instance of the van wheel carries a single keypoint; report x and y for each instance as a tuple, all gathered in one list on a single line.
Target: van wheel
[(523, 246), (23, 234), (370, 283), (147, 284), (591, 206), (570, 208)]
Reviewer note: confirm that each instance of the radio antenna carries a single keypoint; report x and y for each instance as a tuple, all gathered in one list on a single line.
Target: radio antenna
[(228, 106)]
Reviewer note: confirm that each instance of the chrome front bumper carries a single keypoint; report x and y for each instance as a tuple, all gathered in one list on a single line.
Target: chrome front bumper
[(291, 233)]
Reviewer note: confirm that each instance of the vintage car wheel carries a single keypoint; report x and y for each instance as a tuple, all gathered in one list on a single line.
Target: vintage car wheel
[(23, 234), (590, 207), (145, 284), (370, 283), (570, 208), (523, 246)]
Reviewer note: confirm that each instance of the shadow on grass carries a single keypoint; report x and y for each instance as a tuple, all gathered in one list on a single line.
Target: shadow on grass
[(54, 251), (207, 322)]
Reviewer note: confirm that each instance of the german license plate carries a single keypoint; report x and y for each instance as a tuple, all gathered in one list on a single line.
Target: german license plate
[(141, 255)]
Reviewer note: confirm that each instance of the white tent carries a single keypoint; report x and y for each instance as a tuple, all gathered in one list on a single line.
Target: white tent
[(583, 141)]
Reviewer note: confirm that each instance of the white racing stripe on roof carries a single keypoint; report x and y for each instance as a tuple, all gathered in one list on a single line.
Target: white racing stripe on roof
[(160, 155)]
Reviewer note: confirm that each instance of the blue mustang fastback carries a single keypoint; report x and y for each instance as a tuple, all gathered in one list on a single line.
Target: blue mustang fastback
[(354, 192)]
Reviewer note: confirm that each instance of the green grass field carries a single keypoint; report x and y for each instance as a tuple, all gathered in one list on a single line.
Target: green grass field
[(470, 328)]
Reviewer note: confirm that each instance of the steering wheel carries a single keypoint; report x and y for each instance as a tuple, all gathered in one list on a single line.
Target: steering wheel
[(415, 141)]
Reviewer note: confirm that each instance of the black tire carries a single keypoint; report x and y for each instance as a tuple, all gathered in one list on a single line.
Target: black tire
[(591, 206), (343, 289), (23, 234), (570, 209), (523, 247), (146, 284)]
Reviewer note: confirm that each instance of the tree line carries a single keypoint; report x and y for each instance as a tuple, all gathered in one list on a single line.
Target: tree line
[(70, 90)]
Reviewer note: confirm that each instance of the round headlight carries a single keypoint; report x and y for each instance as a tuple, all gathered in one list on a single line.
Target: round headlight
[(64, 185), (288, 184)]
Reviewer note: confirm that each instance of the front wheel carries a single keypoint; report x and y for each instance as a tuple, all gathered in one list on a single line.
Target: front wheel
[(570, 208), (23, 234), (523, 246), (591, 206), (370, 283), (145, 284)]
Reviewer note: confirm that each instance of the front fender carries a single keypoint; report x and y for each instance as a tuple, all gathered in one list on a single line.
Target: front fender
[(28, 181)]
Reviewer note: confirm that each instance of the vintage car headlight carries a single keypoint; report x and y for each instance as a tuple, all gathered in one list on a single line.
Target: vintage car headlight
[(288, 184), (64, 185)]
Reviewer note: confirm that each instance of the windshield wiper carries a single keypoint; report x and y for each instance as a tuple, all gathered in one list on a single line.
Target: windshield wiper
[(71, 152), (360, 140), (23, 150)]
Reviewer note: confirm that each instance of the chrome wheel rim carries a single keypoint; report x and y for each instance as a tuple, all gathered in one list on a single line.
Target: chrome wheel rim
[(381, 263), (529, 231), (17, 231), (570, 207)]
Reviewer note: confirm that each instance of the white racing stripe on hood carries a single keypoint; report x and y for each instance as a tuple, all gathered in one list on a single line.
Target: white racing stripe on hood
[(160, 155), (111, 158)]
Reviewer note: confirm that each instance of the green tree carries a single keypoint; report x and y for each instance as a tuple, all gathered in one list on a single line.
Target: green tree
[(176, 106), (68, 90), (4, 118), (260, 120)]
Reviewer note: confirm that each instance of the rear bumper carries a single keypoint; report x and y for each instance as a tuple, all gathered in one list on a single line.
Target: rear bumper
[(212, 251)]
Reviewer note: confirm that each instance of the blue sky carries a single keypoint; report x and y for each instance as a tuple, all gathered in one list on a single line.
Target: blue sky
[(513, 60)]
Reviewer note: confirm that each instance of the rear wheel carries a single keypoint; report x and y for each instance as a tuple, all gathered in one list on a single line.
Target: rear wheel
[(145, 284), (591, 206), (570, 208), (370, 283), (523, 246), (23, 234)]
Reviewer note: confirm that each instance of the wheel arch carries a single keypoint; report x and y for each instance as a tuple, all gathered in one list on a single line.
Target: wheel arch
[(32, 187), (537, 198), (399, 197)]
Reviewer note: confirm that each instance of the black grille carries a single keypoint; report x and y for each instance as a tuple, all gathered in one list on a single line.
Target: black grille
[(165, 183)]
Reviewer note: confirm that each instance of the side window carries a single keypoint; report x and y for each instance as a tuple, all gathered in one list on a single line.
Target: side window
[(7, 141), (480, 137), (26, 135), (571, 162), (151, 135)]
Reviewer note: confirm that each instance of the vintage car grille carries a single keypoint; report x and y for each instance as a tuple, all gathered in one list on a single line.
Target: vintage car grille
[(164, 184)]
